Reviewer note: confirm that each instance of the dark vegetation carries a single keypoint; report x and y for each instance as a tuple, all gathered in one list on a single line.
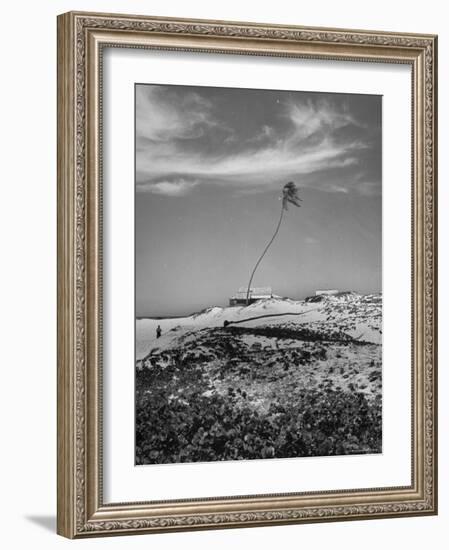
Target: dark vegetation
[(293, 333), (201, 401)]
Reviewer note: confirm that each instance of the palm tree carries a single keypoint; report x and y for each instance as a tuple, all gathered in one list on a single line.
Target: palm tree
[(289, 194)]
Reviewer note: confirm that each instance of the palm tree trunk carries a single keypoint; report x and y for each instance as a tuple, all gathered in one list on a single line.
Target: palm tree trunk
[(265, 251)]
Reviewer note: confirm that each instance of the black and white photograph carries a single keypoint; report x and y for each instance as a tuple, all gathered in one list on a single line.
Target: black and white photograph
[(258, 274)]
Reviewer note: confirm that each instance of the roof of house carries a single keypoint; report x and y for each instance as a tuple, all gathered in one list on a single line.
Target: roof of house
[(254, 293)]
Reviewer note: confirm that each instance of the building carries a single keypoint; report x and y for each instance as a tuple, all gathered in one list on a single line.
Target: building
[(255, 294), (326, 292)]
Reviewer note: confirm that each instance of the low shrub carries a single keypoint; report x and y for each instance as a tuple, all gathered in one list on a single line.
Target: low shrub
[(196, 427)]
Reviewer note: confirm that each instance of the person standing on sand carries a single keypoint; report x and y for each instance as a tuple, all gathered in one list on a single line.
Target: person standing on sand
[(158, 331)]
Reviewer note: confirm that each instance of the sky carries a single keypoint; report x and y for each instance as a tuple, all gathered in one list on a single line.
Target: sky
[(210, 167)]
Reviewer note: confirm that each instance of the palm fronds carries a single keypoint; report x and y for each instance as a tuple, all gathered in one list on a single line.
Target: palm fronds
[(290, 194)]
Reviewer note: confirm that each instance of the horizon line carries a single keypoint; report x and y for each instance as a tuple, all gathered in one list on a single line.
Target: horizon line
[(280, 298)]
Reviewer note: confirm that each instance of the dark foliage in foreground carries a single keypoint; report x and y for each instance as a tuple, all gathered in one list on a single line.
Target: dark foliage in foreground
[(216, 427), (295, 334), (233, 393)]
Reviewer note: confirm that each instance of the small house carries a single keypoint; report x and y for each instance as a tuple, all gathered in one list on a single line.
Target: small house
[(331, 292), (255, 294)]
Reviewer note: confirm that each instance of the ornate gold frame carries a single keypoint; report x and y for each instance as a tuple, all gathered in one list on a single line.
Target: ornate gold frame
[(81, 37)]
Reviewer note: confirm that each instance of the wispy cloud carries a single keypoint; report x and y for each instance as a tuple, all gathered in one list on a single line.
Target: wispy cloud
[(367, 188), (310, 118), (266, 133), (173, 156), (311, 240), (159, 120), (173, 188), (252, 166)]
